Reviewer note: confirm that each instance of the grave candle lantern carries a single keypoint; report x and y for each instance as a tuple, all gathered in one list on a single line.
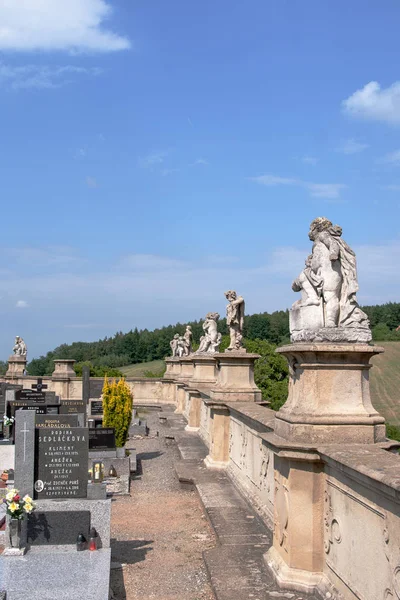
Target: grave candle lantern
[(98, 472)]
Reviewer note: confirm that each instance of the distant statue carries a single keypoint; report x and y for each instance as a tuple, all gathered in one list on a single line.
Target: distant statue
[(19, 347), (181, 346), (210, 341), (174, 345), (188, 336), (328, 309), (235, 319)]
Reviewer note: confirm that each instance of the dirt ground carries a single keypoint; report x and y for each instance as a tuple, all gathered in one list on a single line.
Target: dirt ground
[(160, 532)]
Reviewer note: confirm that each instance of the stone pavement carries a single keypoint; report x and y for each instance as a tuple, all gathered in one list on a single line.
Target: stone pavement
[(236, 567)]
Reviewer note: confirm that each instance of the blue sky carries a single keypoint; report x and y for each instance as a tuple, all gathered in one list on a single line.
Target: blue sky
[(154, 154)]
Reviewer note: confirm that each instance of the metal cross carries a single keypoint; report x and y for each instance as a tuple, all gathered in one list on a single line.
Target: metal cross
[(39, 386), (25, 431)]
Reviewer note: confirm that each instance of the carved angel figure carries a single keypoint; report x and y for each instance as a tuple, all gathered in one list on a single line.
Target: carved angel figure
[(211, 339), (19, 347)]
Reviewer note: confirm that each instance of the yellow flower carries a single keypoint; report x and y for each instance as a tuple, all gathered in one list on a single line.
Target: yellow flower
[(28, 507), (27, 499), (10, 496), (13, 506)]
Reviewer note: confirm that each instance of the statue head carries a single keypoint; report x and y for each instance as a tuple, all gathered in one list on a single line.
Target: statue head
[(230, 295), (213, 316), (188, 328), (176, 336), (319, 224)]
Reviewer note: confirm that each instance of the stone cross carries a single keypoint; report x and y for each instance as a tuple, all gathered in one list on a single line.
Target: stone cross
[(39, 386)]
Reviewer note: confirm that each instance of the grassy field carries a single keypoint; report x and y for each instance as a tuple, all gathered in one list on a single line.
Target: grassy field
[(385, 382), (139, 369)]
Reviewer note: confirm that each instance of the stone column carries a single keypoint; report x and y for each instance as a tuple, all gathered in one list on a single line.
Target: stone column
[(16, 367), (194, 410), (62, 375), (169, 363), (235, 381), (218, 456), (187, 368), (329, 399)]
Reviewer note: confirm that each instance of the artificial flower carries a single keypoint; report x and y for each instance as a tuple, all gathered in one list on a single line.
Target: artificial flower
[(27, 498), (13, 507)]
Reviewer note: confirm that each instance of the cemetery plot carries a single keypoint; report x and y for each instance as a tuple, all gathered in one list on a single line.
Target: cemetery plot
[(61, 469)]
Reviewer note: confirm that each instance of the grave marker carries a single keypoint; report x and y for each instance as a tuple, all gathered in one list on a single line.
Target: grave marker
[(102, 438), (56, 421), (24, 431)]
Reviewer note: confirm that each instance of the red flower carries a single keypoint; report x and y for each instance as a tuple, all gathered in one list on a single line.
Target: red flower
[(17, 498)]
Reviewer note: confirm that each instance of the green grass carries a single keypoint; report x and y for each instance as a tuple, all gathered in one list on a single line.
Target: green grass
[(385, 382), (139, 369)]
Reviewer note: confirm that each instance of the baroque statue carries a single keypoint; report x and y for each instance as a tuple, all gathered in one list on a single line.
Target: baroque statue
[(19, 347), (210, 341), (181, 345), (328, 310), (235, 320)]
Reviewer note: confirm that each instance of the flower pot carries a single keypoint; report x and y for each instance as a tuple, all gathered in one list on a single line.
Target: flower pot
[(121, 452), (14, 528)]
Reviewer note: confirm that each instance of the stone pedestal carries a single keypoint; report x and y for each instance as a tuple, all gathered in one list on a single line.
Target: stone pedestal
[(329, 398), (62, 374), (218, 456), (180, 397), (187, 368), (204, 371), (194, 410), (16, 367), (297, 555), (173, 367), (235, 380)]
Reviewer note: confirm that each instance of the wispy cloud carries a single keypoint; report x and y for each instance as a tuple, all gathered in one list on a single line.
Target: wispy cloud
[(318, 190), (41, 76), (166, 172), (351, 146), (152, 160), (22, 304), (392, 188), (309, 160), (393, 158), (73, 26), (80, 153), (199, 161), (374, 103), (91, 182), (149, 262)]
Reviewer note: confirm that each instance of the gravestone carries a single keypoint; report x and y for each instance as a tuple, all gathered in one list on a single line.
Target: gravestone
[(72, 406), (56, 421), (48, 527), (61, 462), (96, 408), (24, 428), (102, 438), (96, 388)]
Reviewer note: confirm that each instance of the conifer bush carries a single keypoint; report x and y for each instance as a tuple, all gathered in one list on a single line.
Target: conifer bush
[(117, 408)]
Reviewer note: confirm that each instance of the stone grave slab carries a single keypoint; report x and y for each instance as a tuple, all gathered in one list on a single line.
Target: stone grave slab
[(102, 438), (56, 421), (57, 527), (61, 462), (96, 408)]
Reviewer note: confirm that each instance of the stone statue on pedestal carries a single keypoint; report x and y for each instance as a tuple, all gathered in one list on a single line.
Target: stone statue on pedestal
[(210, 341), (235, 320), (328, 310), (188, 336), (19, 347), (174, 345)]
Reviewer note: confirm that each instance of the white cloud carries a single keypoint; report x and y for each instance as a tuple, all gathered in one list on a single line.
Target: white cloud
[(392, 188), (22, 304), (152, 160), (80, 153), (317, 190), (393, 158), (199, 161), (72, 25), (351, 146), (374, 103), (91, 182), (166, 172), (310, 160), (41, 76), (149, 262)]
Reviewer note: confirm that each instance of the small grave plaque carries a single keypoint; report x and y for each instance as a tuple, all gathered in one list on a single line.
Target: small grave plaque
[(40, 409), (56, 421), (57, 527), (61, 465), (31, 396), (96, 407), (102, 439), (71, 406)]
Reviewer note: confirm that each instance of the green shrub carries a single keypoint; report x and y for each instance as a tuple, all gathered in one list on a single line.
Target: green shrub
[(270, 372), (117, 409), (393, 432)]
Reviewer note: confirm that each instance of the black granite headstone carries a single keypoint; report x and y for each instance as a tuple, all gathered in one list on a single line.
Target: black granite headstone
[(96, 388), (56, 421), (31, 395), (96, 407), (57, 527), (102, 439), (61, 462), (72, 406)]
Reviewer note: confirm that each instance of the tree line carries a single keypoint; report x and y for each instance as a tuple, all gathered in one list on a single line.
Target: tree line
[(138, 346)]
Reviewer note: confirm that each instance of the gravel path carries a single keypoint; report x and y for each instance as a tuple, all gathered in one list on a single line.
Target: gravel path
[(160, 532)]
